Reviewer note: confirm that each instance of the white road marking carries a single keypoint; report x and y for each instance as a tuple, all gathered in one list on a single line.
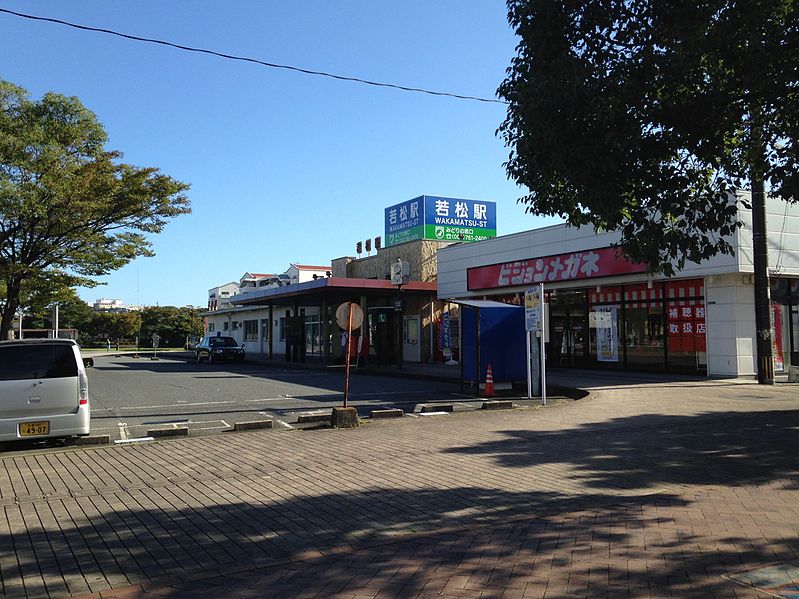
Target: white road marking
[(282, 423), (123, 430), (225, 423), (269, 399), (172, 405)]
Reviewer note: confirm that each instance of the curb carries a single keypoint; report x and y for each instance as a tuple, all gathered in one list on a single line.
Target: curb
[(387, 413), (252, 425), (158, 433)]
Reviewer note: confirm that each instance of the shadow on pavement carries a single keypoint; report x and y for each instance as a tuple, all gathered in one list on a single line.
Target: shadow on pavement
[(711, 448), (486, 533)]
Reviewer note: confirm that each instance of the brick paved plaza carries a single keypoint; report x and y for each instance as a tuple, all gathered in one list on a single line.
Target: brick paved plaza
[(641, 490)]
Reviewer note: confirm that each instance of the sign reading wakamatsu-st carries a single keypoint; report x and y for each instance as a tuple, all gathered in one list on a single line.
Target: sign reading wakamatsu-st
[(441, 219)]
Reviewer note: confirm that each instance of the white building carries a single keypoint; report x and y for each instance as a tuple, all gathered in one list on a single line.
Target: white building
[(219, 297), (607, 313), (111, 305), (255, 326)]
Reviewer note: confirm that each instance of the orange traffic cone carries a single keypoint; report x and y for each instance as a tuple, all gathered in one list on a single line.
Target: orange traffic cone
[(489, 390)]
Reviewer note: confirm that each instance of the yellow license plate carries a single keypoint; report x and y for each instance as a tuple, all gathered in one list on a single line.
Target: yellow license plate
[(31, 429)]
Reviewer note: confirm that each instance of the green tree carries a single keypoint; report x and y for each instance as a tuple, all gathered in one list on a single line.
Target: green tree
[(173, 325), (74, 313), (115, 326), (646, 116), (68, 207)]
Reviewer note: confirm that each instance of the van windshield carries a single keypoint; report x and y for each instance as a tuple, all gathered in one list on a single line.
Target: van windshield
[(22, 362)]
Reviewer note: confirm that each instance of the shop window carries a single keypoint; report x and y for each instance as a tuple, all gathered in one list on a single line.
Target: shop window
[(603, 322), (251, 330), (605, 295), (211, 327), (225, 326), (644, 334)]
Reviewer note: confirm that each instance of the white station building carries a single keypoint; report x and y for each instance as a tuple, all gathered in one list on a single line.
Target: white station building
[(606, 312)]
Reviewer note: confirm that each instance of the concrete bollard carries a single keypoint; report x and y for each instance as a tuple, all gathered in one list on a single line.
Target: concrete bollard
[(344, 418)]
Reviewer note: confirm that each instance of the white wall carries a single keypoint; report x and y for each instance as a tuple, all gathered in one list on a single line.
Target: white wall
[(783, 240), (730, 314), (259, 347), (782, 226)]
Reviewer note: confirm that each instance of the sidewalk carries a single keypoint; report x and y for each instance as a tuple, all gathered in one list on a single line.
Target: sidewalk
[(643, 490)]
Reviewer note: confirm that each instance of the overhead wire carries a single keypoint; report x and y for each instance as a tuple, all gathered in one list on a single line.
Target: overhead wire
[(254, 60)]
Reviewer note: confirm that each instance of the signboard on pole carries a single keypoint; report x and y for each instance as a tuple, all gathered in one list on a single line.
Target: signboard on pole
[(532, 310)]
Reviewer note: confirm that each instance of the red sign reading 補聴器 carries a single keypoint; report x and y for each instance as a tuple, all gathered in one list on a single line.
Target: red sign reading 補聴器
[(586, 264)]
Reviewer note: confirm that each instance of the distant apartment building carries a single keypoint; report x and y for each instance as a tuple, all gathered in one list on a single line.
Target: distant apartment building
[(112, 305), (219, 297)]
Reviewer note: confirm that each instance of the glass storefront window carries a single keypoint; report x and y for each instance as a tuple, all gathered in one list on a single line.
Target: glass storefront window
[(644, 336), (604, 326)]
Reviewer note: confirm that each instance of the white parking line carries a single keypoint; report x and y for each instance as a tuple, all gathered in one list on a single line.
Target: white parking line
[(282, 423), (172, 405), (270, 399)]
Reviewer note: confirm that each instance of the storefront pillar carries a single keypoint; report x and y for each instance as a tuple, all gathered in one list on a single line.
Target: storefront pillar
[(324, 331)]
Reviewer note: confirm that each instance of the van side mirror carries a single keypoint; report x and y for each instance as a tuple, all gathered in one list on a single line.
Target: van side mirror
[(88, 362)]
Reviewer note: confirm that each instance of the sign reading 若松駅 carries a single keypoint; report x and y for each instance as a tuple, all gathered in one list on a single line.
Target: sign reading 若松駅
[(441, 219), (586, 264)]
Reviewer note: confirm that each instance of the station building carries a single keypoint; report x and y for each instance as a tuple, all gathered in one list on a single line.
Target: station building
[(606, 312), (292, 316)]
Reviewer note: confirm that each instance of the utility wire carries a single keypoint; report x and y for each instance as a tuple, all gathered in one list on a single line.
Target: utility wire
[(254, 60)]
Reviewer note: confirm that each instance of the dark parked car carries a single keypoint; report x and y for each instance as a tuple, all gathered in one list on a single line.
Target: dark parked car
[(217, 349)]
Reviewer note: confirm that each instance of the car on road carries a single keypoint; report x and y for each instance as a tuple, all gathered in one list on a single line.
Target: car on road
[(218, 348), (44, 391)]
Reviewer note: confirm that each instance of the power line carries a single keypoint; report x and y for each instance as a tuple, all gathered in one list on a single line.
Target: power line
[(254, 60)]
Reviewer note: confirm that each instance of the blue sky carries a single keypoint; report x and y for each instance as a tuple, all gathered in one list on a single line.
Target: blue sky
[(283, 167)]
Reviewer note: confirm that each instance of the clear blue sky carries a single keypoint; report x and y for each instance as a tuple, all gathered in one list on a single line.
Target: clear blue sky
[(283, 167)]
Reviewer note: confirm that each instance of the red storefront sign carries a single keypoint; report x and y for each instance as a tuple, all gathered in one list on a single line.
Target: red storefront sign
[(587, 264), (686, 316)]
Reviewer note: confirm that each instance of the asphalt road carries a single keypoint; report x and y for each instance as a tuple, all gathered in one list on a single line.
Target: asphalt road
[(130, 396)]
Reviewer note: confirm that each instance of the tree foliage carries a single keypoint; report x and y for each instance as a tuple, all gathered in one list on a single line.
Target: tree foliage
[(173, 325), (645, 116), (69, 208), (115, 326)]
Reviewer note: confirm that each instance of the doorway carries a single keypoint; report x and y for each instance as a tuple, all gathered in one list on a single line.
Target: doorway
[(411, 346)]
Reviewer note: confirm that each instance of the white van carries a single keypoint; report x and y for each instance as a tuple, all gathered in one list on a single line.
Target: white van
[(44, 391)]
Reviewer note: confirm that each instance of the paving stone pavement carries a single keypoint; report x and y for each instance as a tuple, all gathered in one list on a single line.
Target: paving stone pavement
[(641, 490)]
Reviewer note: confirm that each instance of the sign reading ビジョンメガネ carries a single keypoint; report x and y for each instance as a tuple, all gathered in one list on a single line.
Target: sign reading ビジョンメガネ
[(587, 264), (442, 219)]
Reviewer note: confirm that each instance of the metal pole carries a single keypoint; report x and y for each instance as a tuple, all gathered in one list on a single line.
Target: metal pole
[(55, 321), (347, 349), (529, 368), (765, 361), (543, 349)]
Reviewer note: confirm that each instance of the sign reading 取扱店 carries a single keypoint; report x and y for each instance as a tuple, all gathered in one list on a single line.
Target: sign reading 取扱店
[(586, 264), (441, 219)]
